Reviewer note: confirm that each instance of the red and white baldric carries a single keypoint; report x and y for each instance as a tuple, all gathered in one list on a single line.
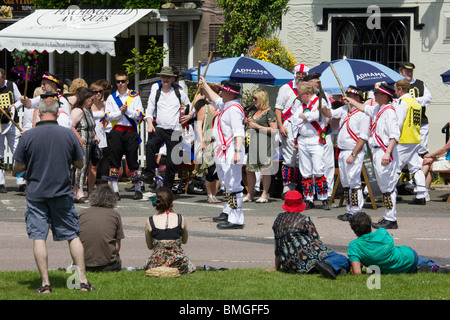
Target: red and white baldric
[(373, 128), (347, 121), (224, 143)]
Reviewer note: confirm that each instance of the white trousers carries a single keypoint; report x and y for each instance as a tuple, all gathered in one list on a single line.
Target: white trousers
[(231, 176), (12, 135), (311, 161), (408, 154), (329, 164), (287, 148), (387, 177), (424, 133), (350, 176)]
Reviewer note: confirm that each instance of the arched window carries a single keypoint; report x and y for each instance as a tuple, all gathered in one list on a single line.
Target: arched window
[(388, 45), (398, 44)]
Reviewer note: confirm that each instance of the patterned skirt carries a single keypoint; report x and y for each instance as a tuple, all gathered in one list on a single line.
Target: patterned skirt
[(169, 253)]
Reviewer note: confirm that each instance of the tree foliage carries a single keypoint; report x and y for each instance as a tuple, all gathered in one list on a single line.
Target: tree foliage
[(245, 21), (149, 63)]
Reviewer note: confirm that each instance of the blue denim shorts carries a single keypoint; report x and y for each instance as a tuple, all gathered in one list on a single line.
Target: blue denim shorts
[(58, 213)]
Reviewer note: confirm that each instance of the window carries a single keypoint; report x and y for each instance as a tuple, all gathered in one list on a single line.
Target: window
[(388, 45), (214, 30)]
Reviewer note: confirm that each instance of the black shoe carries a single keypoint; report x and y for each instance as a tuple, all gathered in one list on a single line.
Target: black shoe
[(146, 178), (386, 224), (309, 205), (421, 201), (229, 225), (325, 269), (2, 188), (222, 217), (22, 187), (137, 195), (344, 217), (132, 188), (325, 205), (118, 196)]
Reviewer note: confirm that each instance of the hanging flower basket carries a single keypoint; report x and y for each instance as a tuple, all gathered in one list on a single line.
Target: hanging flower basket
[(31, 59)]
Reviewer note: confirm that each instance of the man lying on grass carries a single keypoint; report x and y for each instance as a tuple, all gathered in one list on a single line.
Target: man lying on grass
[(378, 249)]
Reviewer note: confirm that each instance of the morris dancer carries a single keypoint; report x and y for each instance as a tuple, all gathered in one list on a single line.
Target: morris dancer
[(409, 113), (124, 111), (383, 138), (311, 138), (229, 134), (354, 129), (9, 95), (51, 85), (284, 110)]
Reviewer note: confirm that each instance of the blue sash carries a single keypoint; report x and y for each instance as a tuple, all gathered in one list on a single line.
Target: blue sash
[(131, 121)]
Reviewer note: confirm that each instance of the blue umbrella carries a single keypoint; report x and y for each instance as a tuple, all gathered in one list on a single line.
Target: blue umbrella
[(241, 70), (361, 73), (446, 77)]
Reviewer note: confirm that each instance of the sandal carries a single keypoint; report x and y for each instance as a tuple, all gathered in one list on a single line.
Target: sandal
[(261, 200), (246, 199), (215, 200), (47, 289), (81, 200), (86, 287)]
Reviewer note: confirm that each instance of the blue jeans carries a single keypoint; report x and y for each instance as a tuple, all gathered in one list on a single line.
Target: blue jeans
[(419, 261), (338, 261)]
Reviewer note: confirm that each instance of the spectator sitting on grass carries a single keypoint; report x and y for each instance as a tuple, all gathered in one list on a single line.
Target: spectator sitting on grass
[(378, 249), (101, 231), (298, 248), (164, 233)]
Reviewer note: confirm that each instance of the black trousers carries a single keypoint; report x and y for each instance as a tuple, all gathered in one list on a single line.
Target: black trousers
[(123, 143), (154, 143)]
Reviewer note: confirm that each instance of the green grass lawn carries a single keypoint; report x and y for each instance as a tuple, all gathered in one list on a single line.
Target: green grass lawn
[(233, 284)]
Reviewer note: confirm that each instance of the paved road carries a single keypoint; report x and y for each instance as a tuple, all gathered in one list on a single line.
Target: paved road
[(424, 228)]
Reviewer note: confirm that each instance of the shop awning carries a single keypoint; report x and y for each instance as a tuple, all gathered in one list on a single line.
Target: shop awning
[(70, 30)]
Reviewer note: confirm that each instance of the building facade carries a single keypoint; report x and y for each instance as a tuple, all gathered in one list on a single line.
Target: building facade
[(389, 32)]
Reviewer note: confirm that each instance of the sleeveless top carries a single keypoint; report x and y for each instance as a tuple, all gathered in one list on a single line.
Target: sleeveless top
[(86, 127), (167, 234)]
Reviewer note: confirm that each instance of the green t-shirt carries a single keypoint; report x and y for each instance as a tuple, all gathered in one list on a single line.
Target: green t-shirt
[(377, 248)]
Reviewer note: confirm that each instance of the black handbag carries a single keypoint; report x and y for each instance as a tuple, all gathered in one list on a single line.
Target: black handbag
[(96, 154)]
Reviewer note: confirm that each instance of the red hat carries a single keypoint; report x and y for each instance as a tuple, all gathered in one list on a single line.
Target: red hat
[(293, 202)]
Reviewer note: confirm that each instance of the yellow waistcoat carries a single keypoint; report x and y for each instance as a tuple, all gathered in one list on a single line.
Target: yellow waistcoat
[(411, 126)]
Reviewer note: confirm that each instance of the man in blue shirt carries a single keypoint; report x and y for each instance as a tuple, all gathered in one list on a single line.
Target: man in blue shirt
[(47, 153)]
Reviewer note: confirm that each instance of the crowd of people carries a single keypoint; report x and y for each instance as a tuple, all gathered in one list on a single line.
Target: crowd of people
[(294, 138)]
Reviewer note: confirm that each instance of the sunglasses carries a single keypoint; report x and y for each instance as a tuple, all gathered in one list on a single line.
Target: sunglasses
[(121, 81), (254, 98), (97, 92)]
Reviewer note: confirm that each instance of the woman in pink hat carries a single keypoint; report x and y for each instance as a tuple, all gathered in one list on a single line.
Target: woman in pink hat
[(298, 248)]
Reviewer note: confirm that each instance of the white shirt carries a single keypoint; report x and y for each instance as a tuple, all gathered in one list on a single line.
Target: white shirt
[(426, 98), (358, 123), (307, 129), (387, 125), (232, 125), (168, 112), (286, 97), (401, 108), (133, 112)]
